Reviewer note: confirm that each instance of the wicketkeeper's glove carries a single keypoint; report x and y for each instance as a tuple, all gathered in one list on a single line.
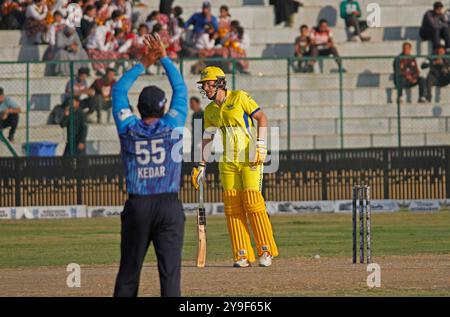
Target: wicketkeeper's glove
[(198, 175), (261, 152)]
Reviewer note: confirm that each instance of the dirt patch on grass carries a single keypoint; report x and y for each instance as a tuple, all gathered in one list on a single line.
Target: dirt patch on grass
[(327, 276)]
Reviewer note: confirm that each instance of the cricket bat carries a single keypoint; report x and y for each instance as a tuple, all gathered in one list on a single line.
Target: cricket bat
[(201, 229)]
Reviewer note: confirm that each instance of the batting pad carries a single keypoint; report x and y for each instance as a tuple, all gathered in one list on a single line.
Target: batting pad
[(237, 226), (255, 208)]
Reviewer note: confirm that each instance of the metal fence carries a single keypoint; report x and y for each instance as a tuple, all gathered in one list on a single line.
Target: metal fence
[(392, 173), (353, 106)]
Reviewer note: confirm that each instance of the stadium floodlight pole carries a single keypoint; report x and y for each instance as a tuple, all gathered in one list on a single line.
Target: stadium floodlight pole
[(27, 146), (72, 119), (399, 88), (341, 103), (288, 103)]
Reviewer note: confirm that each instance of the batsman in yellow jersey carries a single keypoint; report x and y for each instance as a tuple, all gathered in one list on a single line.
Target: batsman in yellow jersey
[(232, 114)]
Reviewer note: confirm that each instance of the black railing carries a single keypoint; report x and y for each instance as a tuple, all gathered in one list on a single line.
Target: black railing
[(392, 173)]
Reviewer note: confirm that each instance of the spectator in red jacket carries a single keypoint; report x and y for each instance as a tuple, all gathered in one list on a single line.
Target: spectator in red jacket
[(322, 43), (407, 74)]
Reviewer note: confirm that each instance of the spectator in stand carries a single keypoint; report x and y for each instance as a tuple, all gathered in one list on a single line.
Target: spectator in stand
[(9, 114), (439, 74), (285, 10), (100, 95), (56, 27), (200, 19), (165, 7), (76, 14), (118, 21), (58, 5), (103, 11), (175, 29), (435, 26), (176, 18), (68, 48), (350, 12), (80, 128), (88, 22), (137, 49), (206, 47), (152, 19), (237, 43), (125, 7), (322, 43), (101, 45), (224, 22), (407, 74), (302, 48), (12, 15), (36, 26), (80, 86)]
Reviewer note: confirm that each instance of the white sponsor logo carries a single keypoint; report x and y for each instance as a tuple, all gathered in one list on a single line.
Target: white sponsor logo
[(173, 113), (125, 114)]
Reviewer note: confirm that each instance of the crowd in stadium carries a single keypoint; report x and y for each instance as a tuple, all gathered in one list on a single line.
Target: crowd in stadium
[(109, 30)]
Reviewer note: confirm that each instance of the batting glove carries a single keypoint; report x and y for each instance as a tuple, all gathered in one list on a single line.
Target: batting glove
[(198, 175), (261, 151)]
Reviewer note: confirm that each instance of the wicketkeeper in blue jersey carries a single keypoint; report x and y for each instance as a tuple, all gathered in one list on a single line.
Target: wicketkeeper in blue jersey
[(152, 156)]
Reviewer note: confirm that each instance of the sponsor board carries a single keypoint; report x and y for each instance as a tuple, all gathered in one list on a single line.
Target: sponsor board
[(422, 205), (54, 212), (217, 209), (273, 207), (191, 209), (11, 213), (304, 206), (344, 206), (104, 211)]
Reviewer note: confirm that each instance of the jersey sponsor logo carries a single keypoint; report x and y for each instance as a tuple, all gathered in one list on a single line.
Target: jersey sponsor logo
[(125, 114), (173, 113)]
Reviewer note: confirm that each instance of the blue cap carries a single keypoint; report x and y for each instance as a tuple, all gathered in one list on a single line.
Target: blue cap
[(151, 100)]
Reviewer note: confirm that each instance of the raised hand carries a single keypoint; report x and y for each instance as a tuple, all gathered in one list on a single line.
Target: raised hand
[(154, 42), (152, 53)]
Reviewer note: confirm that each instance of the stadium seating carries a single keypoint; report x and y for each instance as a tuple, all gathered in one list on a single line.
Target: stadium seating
[(370, 111)]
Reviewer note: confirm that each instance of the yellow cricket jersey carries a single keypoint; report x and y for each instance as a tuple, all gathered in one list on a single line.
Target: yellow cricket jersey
[(234, 120)]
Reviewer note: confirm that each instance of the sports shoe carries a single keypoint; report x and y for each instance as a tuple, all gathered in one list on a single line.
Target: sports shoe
[(422, 100), (243, 262), (265, 259)]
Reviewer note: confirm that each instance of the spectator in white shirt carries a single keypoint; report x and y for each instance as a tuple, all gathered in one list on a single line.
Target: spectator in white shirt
[(36, 26)]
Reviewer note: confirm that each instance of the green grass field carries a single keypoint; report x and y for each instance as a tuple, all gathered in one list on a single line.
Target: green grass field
[(29, 243)]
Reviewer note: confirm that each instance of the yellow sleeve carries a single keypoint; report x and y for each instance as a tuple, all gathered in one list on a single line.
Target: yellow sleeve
[(248, 104)]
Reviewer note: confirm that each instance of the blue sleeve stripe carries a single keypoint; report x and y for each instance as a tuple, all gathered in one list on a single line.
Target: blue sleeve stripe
[(256, 110), (247, 125)]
